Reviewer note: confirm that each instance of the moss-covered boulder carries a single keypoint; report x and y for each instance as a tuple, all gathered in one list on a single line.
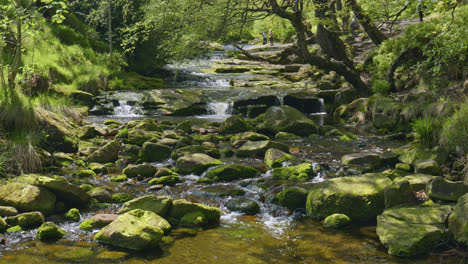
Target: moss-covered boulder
[(60, 133), (154, 152), (49, 231), (359, 197), (249, 136), (184, 212), (107, 153), (139, 136), (458, 220), (169, 180), (73, 215), (412, 153), (305, 102), (8, 211), (428, 166), (159, 205), (243, 205), (418, 182), (286, 136), (231, 172), (27, 198), (196, 163), (145, 170), (363, 158), (102, 194), (3, 225), (97, 167), (26, 221), (235, 124), (413, 230), (399, 193), (292, 198), (212, 152), (119, 178), (71, 194), (301, 172), (259, 148), (287, 119), (137, 230), (275, 158), (177, 102), (85, 174), (444, 190), (97, 221), (336, 221)]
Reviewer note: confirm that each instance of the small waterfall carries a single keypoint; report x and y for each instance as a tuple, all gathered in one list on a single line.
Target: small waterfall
[(280, 99), (220, 109), (322, 106), (125, 109)]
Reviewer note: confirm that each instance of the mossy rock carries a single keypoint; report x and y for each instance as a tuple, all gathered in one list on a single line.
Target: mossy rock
[(243, 205), (249, 136), (26, 197), (413, 230), (60, 133), (412, 153), (231, 172), (399, 193), (286, 136), (165, 180), (97, 167), (359, 197), (121, 197), (292, 198), (336, 221), (195, 163), (3, 225), (7, 211), (301, 172), (105, 154), (73, 215), (49, 231), (136, 230), (119, 178), (152, 152), (275, 158), (235, 124), (14, 229), (27, 221), (444, 190), (181, 208), (259, 148), (85, 174), (418, 182), (287, 119), (428, 166), (145, 170), (159, 205), (458, 220), (212, 152), (97, 221)]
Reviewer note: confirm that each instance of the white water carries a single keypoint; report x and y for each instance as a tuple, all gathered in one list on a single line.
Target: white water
[(220, 109), (126, 110)]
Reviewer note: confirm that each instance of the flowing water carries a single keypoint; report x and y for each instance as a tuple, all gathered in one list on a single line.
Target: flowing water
[(275, 235)]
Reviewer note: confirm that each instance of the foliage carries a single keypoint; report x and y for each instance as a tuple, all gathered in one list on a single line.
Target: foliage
[(427, 130), (380, 87), (282, 29), (454, 134)]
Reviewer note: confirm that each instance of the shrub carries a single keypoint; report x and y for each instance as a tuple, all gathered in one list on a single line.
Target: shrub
[(380, 87), (428, 130), (454, 135)]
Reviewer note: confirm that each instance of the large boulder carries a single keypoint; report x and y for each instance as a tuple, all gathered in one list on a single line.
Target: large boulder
[(27, 198), (287, 119), (145, 170), (275, 158), (243, 205), (49, 231), (304, 102), (60, 132), (231, 172), (259, 148), (135, 230), (444, 190), (412, 153), (72, 194), (418, 182), (413, 230), (399, 193), (301, 172), (359, 197), (184, 212), (458, 220), (363, 158), (26, 221), (428, 166), (107, 153), (154, 152), (235, 124), (195, 163), (159, 205), (292, 198)]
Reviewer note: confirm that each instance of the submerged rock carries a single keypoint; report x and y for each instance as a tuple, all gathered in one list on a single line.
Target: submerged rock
[(359, 197), (287, 119), (135, 230), (243, 205), (336, 221), (413, 230), (157, 204), (49, 231), (195, 163), (231, 172), (301, 172)]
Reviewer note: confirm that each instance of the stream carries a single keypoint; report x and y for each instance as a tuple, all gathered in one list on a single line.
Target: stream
[(275, 235)]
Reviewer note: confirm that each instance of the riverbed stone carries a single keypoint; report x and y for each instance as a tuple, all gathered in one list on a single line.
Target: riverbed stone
[(159, 205), (444, 190), (287, 119), (249, 136), (152, 152), (85, 174), (7, 211), (428, 166), (97, 167), (275, 158), (60, 132), (196, 163), (98, 221), (413, 230), (101, 194), (107, 153), (458, 220), (286, 136), (139, 136), (177, 102), (292, 198), (49, 231), (259, 148), (359, 197), (243, 205), (144, 170), (3, 225), (213, 152), (363, 158), (26, 220), (304, 102), (231, 172), (399, 193), (135, 230), (235, 124), (301, 172), (412, 153), (418, 182), (184, 212), (336, 221), (27, 198), (73, 215), (169, 180)]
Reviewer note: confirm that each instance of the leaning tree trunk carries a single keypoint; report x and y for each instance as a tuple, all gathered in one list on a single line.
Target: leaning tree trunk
[(405, 56), (372, 31)]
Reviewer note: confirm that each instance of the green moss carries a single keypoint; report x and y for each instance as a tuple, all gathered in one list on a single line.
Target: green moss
[(73, 215), (14, 229), (231, 172), (193, 219), (204, 181), (123, 133), (336, 221), (348, 137), (292, 197), (119, 178), (285, 135), (165, 180), (301, 172), (49, 231), (135, 81), (85, 173), (121, 197)]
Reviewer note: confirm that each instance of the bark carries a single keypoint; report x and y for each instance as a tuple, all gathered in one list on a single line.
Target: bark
[(372, 31), (404, 57), (18, 52)]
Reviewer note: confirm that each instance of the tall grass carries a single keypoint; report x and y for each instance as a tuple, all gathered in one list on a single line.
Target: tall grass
[(454, 135), (428, 130)]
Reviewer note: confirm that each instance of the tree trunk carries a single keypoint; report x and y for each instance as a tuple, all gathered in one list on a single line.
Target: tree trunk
[(405, 56), (109, 23), (344, 18), (18, 52), (372, 31)]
